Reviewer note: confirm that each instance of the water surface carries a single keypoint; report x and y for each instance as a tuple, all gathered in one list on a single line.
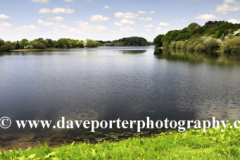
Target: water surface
[(118, 82)]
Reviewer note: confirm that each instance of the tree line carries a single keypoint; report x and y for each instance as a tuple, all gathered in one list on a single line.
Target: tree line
[(126, 41), (214, 35), (41, 43)]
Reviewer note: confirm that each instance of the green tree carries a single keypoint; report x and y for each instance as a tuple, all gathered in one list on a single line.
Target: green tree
[(1, 42), (158, 41), (191, 27)]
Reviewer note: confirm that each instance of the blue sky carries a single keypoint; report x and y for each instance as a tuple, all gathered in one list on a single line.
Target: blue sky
[(107, 19)]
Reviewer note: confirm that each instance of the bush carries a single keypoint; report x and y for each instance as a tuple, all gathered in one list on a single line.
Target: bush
[(6, 47), (234, 44), (225, 46), (217, 34), (90, 43), (212, 45), (178, 45), (190, 47), (119, 44), (183, 45), (166, 45), (38, 45), (80, 44), (200, 47), (173, 45)]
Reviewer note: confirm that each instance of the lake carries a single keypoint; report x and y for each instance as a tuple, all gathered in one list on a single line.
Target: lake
[(107, 83)]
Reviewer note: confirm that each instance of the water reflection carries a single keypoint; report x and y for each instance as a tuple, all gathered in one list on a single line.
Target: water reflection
[(132, 51), (198, 57)]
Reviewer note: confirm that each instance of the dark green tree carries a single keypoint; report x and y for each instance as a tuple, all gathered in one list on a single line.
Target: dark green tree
[(158, 41)]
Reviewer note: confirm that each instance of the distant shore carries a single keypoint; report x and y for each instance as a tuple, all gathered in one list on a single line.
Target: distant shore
[(32, 50)]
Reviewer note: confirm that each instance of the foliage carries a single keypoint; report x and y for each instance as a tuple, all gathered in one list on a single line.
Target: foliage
[(1, 42), (158, 41), (191, 27), (219, 30), (173, 45), (6, 47), (212, 45), (38, 45), (90, 43), (166, 45), (200, 47), (231, 45), (183, 36), (79, 44)]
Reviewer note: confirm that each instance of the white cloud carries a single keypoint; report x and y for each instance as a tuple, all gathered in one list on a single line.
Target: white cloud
[(127, 28), (142, 12), (2, 16), (183, 20), (98, 18), (107, 7), (126, 15), (229, 1), (44, 10), (41, 1), (58, 18), (234, 21), (148, 26), (45, 23), (69, 0), (163, 24), (26, 28), (125, 21), (145, 19), (225, 7), (62, 10), (159, 29), (174, 21), (56, 10), (152, 12), (4, 26), (118, 24), (85, 26), (206, 17)]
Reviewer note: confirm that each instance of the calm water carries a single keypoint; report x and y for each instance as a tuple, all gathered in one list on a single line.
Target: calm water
[(118, 82)]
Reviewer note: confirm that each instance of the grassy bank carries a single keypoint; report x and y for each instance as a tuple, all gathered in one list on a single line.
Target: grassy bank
[(192, 144)]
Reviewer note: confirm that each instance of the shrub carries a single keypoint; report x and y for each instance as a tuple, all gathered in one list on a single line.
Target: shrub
[(166, 45), (38, 45), (199, 47), (119, 44), (212, 45), (90, 43), (80, 44), (178, 45), (225, 46), (234, 44), (184, 45), (6, 47), (173, 45), (190, 47)]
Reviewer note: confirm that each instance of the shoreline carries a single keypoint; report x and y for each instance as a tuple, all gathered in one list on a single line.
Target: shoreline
[(31, 50)]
